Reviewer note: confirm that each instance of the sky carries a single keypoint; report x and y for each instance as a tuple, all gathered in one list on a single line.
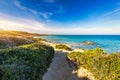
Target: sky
[(61, 16)]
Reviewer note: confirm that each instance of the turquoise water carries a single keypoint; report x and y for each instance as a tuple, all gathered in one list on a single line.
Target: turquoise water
[(109, 43)]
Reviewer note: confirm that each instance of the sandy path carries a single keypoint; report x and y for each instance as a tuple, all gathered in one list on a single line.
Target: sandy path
[(59, 69)]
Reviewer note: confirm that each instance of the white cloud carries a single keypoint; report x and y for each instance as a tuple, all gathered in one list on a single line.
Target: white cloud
[(9, 22), (14, 23), (115, 12), (18, 4), (44, 15)]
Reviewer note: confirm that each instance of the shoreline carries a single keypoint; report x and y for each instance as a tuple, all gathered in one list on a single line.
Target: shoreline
[(60, 68), (89, 63), (73, 49), (110, 44), (63, 72), (54, 44)]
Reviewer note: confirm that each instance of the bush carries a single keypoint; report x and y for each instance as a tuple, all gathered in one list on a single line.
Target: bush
[(103, 66), (17, 38), (62, 46), (28, 62)]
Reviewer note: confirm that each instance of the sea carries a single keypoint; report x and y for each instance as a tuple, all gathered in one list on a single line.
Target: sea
[(109, 43)]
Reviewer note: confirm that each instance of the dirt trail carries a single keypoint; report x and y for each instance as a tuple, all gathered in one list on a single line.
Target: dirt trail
[(60, 69)]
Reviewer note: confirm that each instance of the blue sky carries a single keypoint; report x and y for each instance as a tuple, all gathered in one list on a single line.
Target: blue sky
[(61, 16)]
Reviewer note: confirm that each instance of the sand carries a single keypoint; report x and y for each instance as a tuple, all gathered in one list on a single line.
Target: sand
[(60, 70)]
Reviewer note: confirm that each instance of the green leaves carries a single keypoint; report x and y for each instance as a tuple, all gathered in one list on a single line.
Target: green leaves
[(27, 62), (103, 66), (62, 46)]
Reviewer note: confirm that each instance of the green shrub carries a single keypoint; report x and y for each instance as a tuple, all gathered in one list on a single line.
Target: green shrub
[(103, 66), (28, 62), (10, 38), (62, 46)]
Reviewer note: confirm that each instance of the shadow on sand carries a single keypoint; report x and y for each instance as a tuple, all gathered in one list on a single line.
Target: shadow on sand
[(60, 69)]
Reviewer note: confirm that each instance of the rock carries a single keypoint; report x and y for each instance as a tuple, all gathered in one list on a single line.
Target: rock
[(82, 72), (88, 43)]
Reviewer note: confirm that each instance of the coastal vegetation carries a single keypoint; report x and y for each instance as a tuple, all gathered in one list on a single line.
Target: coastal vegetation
[(10, 38), (23, 57), (103, 66), (62, 46)]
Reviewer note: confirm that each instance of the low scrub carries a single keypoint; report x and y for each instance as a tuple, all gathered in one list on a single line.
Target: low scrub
[(17, 38), (62, 46), (103, 66), (27, 62)]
